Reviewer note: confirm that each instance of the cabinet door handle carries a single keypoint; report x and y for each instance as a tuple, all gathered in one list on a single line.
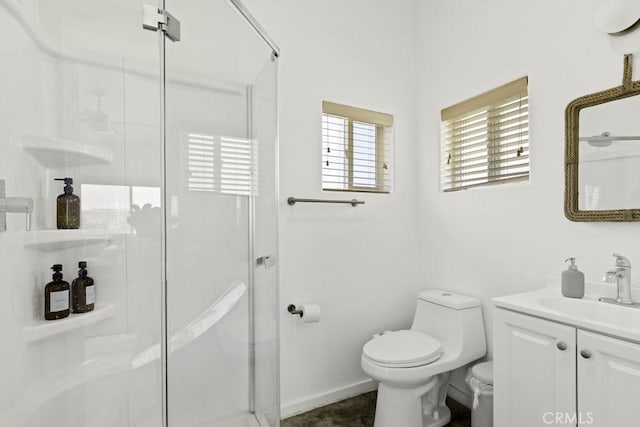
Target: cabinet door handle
[(585, 354), (562, 346)]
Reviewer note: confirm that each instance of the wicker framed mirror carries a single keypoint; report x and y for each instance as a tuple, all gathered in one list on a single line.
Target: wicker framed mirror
[(585, 207)]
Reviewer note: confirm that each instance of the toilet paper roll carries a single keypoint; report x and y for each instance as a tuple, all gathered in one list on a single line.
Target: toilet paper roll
[(310, 313)]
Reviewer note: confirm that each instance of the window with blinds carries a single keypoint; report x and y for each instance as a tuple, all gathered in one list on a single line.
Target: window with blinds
[(485, 139), (221, 164), (356, 149)]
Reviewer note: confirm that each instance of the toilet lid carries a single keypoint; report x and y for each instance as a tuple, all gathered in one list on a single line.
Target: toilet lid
[(403, 349)]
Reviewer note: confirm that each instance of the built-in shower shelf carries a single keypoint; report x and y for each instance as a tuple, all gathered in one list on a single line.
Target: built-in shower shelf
[(46, 328), (54, 153), (54, 240)]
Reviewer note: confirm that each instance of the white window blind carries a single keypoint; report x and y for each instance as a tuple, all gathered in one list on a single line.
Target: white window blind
[(356, 149), (485, 139), (220, 164)]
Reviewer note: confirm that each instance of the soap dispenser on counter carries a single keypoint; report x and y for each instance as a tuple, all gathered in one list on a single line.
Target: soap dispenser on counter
[(56, 296), (572, 280), (67, 207), (83, 295)]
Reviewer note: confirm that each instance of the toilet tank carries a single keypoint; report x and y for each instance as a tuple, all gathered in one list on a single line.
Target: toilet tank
[(453, 319)]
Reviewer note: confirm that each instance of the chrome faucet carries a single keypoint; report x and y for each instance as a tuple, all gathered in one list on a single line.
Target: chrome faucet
[(621, 275)]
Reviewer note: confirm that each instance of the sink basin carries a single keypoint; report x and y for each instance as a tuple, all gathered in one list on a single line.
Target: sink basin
[(594, 310), (587, 313), (578, 307)]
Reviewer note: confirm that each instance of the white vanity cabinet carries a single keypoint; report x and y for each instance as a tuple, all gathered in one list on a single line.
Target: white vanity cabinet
[(549, 373), (534, 369), (608, 380)]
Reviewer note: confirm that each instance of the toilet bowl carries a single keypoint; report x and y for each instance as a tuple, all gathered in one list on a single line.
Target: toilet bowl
[(413, 366)]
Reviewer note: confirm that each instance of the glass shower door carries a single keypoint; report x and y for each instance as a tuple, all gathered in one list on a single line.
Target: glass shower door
[(81, 85), (80, 94), (265, 326), (221, 220)]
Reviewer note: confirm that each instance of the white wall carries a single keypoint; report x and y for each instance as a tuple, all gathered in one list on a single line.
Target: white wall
[(507, 239), (360, 264)]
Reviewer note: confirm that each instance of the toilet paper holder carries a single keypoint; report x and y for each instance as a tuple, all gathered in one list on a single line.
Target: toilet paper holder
[(292, 309)]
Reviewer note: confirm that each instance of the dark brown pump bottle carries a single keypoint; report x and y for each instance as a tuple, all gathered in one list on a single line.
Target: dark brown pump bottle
[(56, 296), (83, 295), (68, 207)]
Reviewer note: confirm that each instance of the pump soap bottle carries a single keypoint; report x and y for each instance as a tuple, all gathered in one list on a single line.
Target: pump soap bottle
[(68, 207), (83, 295), (56, 296), (572, 281)]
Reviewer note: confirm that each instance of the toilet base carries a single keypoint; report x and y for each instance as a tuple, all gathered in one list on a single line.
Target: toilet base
[(444, 416), (435, 411), (422, 406), (400, 406)]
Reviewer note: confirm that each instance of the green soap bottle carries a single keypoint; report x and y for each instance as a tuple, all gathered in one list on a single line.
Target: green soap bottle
[(68, 207), (83, 295), (56, 296), (572, 280)]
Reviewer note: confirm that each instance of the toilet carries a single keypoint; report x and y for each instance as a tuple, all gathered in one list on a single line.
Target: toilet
[(413, 366)]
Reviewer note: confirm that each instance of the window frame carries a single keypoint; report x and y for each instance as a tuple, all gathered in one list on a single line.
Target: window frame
[(486, 107), (382, 123)]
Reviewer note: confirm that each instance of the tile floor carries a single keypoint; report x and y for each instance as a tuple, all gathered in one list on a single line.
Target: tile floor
[(359, 411)]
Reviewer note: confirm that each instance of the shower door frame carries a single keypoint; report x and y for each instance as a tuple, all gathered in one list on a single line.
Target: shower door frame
[(164, 353)]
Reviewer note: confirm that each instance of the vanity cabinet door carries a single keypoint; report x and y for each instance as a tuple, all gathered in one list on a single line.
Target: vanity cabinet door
[(534, 370), (608, 381)]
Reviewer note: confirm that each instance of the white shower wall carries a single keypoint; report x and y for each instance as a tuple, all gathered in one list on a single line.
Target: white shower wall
[(53, 373), (107, 371)]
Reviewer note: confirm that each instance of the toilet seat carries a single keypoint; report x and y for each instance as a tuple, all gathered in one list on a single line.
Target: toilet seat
[(403, 349)]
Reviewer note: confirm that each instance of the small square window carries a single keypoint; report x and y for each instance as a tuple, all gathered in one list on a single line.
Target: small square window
[(356, 149)]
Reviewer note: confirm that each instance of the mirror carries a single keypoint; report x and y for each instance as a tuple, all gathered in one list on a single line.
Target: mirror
[(602, 154), (609, 156)]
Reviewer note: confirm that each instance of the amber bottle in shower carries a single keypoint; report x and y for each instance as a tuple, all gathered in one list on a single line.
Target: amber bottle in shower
[(68, 207), (83, 295), (56, 296)]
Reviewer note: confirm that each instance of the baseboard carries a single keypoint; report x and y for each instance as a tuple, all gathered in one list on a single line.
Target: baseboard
[(464, 397), (295, 407)]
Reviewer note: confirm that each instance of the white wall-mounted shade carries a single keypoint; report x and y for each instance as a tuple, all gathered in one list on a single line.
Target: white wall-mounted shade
[(617, 16)]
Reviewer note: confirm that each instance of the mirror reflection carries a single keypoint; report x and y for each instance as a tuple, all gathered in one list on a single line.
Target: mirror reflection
[(609, 156)]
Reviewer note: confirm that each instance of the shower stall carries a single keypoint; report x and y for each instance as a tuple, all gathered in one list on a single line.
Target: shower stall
[(164, 114)]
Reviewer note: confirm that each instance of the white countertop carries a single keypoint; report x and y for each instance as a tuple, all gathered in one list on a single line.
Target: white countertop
[(585, 313)]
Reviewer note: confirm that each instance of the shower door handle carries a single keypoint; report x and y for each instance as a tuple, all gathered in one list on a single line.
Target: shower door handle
[(266, 261)]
